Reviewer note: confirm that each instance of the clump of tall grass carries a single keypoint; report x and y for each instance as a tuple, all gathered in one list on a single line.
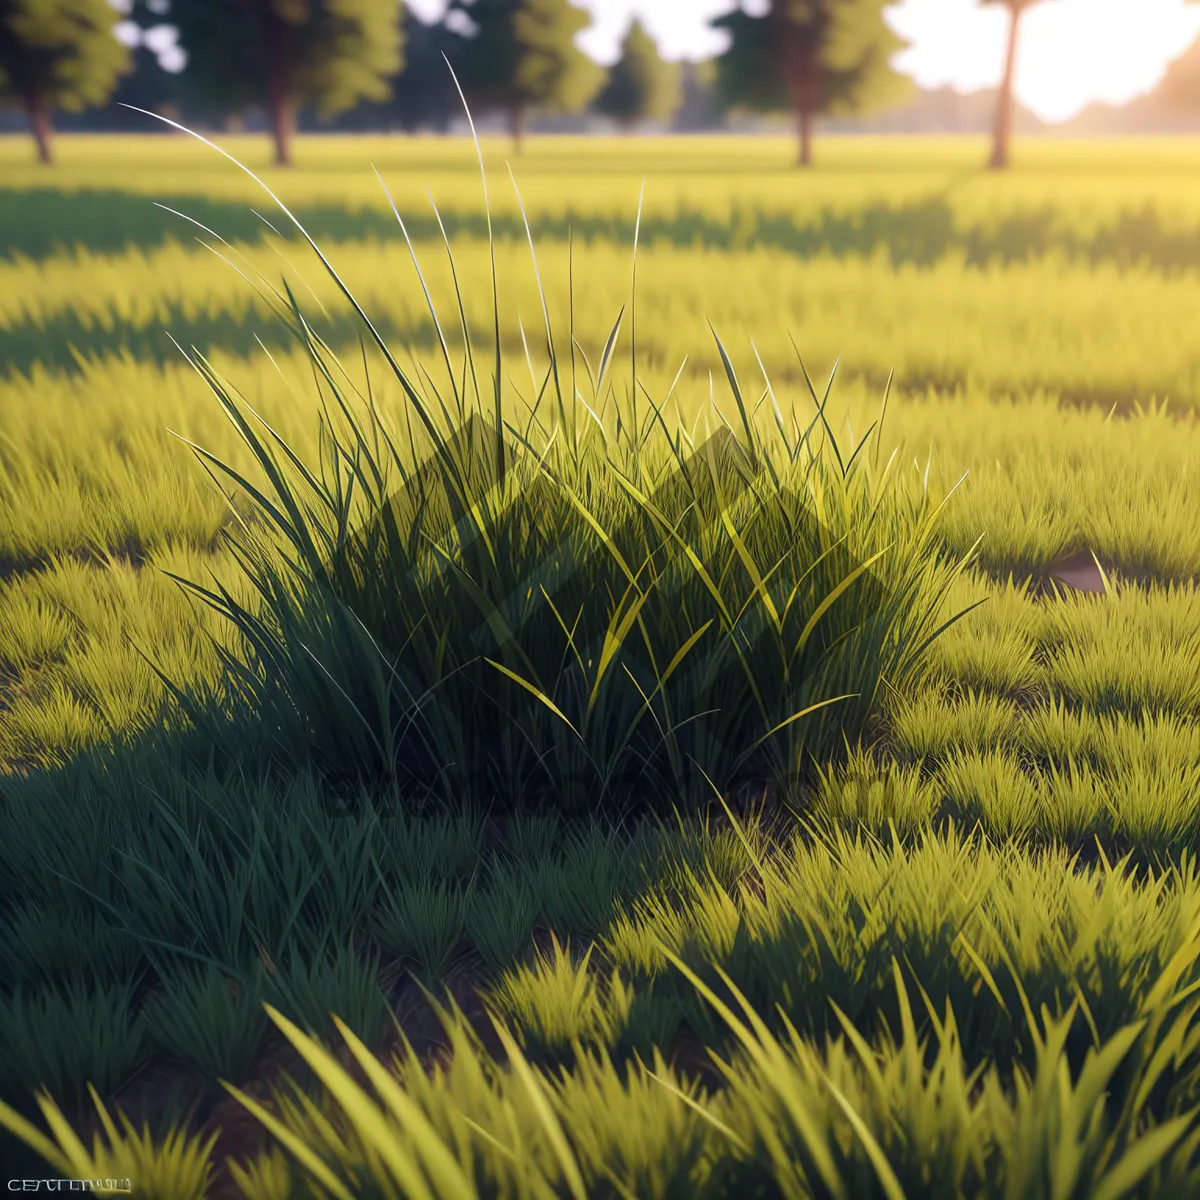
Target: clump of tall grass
[(503, 597)]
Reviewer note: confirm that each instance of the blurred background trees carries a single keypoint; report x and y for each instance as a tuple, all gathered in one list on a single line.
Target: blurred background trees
[(810, 57), (640, 86), (517, 56), (58, 54), (277, 55), (381, 65)]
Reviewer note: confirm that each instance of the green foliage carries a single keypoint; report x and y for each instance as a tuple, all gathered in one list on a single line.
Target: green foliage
[(640, 86), (411, 847), (280, 55), (423, 95), (58, 54), (508, 607), (809, 57), (422, 921), (213, 1024), (64, 1040), (521, 57), (501, 916), (315, 990), (592, 854), (54, 946)]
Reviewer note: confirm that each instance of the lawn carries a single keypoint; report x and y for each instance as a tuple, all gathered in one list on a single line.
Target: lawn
[(679, 774)]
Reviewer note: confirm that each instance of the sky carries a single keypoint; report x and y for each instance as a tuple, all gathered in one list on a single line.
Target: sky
[(1071, 52)]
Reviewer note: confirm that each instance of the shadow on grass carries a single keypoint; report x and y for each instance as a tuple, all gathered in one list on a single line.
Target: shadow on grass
[(38, 222), (65, 342)]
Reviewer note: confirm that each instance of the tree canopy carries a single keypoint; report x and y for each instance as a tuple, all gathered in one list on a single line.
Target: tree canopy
[(698, 107), (520, 55), (423, 95), (58, 54), (641, 86), (282, 54), (809, 57)]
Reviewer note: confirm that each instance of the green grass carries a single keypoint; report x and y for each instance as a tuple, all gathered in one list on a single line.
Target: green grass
[(942, 939)]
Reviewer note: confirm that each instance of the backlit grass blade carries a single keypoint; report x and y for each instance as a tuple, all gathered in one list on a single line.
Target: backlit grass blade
[(295, 1146), (812, 391), (446, 1171), (498, 367), (887, 391), (607, 353), (379, 340), (412, 250), (551, 1126), (736, 388), (767, 1055), (537, 693), (796, 716), (550, 343), (1143, 1156), (468, 347), (633, 373), (832, 598), (883, 1169)]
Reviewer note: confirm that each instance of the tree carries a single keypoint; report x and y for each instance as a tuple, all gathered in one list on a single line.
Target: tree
[(58, 54), (282, 54), (1180, 86), (520, 55), (641, 86), (698, 107), (423, 95), (1002, 137), (809, 57)]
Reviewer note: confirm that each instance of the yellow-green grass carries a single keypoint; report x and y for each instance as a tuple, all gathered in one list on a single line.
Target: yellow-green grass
[(596, 174), (1062, 724), (1099, 334), (1082, 260)]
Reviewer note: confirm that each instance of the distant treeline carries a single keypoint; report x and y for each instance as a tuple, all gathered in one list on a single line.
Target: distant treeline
[(373, 65)]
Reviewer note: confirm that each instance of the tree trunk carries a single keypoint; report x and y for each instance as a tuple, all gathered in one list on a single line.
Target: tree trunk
[(283, 125), (804, 124), (1004, 102), (281, 97), (797, 53), (42, 129), (516, 126)]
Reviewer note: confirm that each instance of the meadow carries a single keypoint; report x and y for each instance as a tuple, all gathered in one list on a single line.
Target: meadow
[(701, 783)]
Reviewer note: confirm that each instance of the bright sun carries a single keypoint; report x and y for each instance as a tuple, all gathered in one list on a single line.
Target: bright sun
[(1070, 53)]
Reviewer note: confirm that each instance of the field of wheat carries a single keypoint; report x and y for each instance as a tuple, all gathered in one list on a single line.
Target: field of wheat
[(698, 777)]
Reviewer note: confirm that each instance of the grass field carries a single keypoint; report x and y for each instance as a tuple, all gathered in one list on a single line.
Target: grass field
[(717, 789)]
